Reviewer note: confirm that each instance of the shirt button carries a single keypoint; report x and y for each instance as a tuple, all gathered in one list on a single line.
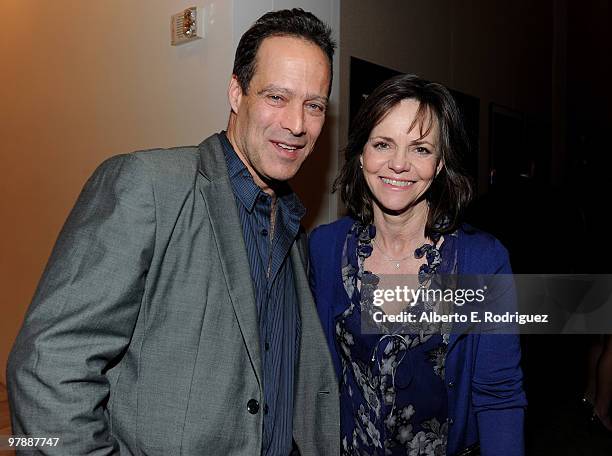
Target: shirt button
[(266, 409), (253, 406), (264, 232), (267, 346)]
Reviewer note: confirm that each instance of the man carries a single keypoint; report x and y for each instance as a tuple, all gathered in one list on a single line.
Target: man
[(174, 316)]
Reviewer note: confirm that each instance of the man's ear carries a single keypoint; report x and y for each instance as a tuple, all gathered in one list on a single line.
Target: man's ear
[(234, 94)]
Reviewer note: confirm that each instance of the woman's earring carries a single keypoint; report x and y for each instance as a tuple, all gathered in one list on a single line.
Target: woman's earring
[(360, 165)]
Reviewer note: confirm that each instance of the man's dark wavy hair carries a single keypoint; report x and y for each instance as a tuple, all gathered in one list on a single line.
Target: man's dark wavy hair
[(451, 190), (295, 23)]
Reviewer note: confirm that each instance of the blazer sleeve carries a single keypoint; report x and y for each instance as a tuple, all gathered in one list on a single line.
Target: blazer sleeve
[(497, 392), (84, 311)]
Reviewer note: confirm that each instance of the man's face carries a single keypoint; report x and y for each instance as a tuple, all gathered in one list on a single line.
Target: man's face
[(274, 126)]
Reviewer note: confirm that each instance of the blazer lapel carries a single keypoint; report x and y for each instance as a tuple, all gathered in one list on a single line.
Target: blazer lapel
[(217, 192)]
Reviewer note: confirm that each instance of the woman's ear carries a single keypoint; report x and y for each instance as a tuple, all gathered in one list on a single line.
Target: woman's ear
[(439, 167)]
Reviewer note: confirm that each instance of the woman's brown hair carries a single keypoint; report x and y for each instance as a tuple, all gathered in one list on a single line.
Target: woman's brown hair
[(450, 191)]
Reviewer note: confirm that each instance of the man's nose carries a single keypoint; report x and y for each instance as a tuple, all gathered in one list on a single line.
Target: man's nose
[(293, 119)]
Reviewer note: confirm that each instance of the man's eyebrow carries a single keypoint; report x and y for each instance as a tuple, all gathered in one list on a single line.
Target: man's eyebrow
[(284, 91), (275, 89)]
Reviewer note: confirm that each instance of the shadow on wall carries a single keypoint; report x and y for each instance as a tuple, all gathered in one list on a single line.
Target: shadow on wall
[(310, 184)]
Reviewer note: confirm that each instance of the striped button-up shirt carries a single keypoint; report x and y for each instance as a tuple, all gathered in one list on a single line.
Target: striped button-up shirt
[(273, 283)]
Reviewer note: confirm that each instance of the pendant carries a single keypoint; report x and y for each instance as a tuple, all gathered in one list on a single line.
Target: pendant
[(397, 265)]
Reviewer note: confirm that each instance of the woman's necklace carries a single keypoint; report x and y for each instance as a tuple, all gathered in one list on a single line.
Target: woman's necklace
[(396, 261)]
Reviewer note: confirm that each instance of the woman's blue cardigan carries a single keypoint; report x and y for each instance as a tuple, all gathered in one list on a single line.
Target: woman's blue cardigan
[(486, 400)]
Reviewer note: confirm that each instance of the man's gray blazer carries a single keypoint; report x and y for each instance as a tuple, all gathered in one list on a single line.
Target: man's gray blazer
[(143, 334)]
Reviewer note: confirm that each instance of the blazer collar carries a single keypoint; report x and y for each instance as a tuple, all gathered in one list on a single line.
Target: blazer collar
[(212, 163)]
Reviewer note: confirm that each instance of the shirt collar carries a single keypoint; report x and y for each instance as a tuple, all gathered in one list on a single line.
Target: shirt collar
[(244, 187)]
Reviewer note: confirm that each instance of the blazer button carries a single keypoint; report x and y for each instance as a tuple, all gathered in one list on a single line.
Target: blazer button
[(253, 406), (451, 384), (451, 421)]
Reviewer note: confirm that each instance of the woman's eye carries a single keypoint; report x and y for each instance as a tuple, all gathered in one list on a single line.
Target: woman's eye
[(422, 150), (381, 145)]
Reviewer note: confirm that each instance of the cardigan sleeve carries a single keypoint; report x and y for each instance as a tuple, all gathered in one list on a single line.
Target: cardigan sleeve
[(325, 248), (497, 392), (315, 247)]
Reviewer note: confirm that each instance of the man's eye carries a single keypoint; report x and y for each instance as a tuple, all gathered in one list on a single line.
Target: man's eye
[(316, 107), (275, 98)]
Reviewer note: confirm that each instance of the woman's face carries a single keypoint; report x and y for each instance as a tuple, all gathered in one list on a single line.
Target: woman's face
[(400, 164)]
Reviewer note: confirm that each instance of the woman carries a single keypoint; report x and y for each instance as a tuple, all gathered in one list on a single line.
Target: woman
[(426, 392)]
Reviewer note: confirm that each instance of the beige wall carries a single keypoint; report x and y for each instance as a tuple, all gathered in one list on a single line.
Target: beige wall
[(489, 49), (82, 81)]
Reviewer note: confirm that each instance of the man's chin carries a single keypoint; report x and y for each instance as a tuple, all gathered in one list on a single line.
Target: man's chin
[(282, 175)]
